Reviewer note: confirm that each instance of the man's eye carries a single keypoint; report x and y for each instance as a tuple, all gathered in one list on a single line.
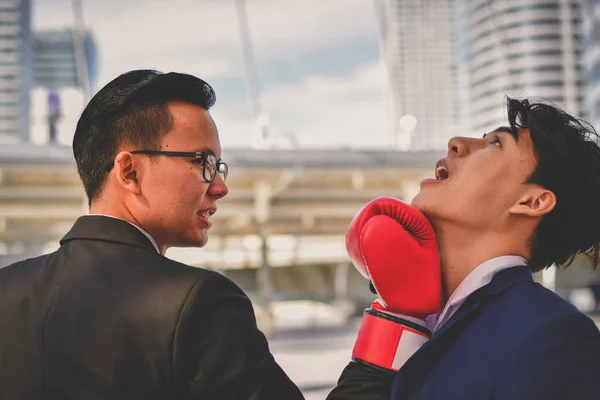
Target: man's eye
[(496, 141)]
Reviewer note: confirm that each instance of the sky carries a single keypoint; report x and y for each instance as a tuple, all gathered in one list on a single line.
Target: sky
[(318, 61)]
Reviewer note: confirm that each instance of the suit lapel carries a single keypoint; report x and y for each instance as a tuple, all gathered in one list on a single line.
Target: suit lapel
[(466, 309), (419, 364), (469, 307), (501, 282)]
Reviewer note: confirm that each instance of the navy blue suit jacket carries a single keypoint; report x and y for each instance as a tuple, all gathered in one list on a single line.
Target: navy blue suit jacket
[(512, 339)]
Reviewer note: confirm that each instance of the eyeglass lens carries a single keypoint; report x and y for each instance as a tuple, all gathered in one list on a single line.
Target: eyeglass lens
[(210, 167)]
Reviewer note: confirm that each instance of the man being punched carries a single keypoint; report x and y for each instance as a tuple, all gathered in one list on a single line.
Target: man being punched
[(520, 199)]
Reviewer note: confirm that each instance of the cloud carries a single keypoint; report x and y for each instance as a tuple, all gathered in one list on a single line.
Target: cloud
[(320, 111), (202, 37), (283, 28), (340, 106)]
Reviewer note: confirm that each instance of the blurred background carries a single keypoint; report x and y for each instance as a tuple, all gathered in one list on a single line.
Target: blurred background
[(322, 106)]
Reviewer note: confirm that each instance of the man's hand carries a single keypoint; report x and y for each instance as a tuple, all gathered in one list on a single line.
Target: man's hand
[(393, 245)]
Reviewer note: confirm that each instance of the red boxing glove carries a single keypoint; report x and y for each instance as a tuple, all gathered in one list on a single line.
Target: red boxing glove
[(393, 244)]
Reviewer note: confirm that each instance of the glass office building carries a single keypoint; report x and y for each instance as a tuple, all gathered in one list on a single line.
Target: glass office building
[(59, 93), (417, 46), (16, 62), (56, 60), (520, 48), (591, 59)]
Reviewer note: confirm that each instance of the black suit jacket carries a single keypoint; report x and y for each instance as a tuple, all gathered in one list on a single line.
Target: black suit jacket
[(107, 317)]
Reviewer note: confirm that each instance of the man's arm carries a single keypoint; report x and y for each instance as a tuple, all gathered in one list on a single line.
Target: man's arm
[(219, 352), (393, 245), (561, 361), (361, 382)]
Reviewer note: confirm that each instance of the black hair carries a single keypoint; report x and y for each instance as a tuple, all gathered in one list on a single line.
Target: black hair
[(131, 109), (568, 164)]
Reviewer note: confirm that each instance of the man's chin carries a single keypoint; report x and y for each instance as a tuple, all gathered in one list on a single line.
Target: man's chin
[(420, 203), (201, 242), (197, 241), (417, 202)]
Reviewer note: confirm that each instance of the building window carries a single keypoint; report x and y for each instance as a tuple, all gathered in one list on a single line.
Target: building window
[(534, 38), (473, 70), (519, 71), (517, 87), (497, 29), (498, 13)]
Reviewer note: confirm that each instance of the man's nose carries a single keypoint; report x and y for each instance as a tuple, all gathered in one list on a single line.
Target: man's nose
[(462, 146), (218, 187), (456, 146)]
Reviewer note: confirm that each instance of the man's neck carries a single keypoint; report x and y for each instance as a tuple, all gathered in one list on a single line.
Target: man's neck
[(462, 251)]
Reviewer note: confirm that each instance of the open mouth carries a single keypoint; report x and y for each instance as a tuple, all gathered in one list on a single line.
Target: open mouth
[(441, 172), (206, 213)]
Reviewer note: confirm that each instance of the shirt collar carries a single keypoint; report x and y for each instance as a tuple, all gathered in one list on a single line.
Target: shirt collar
[(478, 278), (132, 224)]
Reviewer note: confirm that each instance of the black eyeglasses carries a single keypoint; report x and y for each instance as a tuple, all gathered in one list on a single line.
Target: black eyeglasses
[(211, 165)]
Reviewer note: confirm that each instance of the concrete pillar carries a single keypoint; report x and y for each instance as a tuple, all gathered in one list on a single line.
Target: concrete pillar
[(340, 284), (265, 287), (262, 204)]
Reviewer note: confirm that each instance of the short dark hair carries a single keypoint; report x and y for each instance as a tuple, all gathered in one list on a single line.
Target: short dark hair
[(131, 109), (568, 163)]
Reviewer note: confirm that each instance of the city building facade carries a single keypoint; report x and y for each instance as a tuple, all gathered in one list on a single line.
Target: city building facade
[(56, 61), (16, 69), (62, 77), (417, 47), (519, 48), (591, 58)]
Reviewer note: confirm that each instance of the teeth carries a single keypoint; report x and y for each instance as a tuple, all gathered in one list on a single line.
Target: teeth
[(441, 173), (204, 214)]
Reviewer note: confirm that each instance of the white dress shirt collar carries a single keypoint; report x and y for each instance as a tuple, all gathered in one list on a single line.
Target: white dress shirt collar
[(478, 278), (132, 224)]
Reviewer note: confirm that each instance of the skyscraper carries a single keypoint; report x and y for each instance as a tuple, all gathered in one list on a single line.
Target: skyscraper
[(417, 46), (16, 64), (58, 97), (56, 59), (591, 59), (520, 48)]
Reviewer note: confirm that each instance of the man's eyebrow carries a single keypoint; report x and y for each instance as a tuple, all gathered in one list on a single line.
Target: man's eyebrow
[(503, 129), (202, 149), (206, 149)]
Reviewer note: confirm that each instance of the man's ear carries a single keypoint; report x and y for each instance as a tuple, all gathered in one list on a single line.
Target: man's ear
[(537, 202), (128, 172)]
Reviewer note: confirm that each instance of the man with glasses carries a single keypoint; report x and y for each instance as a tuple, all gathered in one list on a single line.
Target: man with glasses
[(107, 316)]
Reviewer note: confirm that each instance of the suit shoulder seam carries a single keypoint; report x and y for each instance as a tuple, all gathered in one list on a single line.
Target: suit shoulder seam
[(46, 318)]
